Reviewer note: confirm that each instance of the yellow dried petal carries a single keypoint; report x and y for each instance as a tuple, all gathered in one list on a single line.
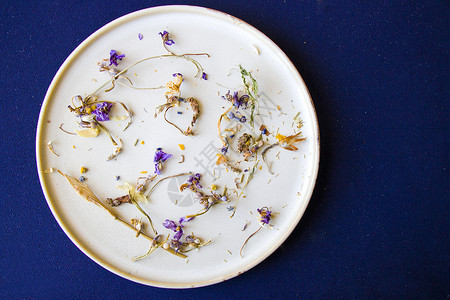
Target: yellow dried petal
[(280, 137), (91, 132), (136, 196), (181, 146)]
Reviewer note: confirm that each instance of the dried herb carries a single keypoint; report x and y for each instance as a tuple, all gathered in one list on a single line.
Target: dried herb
[(251, 87), (165, 178), (83, 190), (264, 218), (153, 246), (195, 109), (159, 158)]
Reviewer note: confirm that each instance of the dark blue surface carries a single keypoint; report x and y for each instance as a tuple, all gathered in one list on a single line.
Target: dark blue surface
[(378, 223)]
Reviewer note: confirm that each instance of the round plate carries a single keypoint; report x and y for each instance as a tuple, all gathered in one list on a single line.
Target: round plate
[(230, 43)]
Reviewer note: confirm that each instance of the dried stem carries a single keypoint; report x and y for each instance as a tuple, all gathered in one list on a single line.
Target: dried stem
[(162, 179), (240, 252)]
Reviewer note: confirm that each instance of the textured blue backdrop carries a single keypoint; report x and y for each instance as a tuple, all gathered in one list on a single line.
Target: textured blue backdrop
[(377, 225)]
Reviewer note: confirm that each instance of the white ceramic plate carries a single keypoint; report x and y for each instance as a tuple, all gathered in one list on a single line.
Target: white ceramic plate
[(230, 43)]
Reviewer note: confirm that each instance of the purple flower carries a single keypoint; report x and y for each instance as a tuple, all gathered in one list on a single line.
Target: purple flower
[(159, 158), (204, 76), (165, 38), (236, 100), (113, 57), (176, 227), (102, 111), (241, 100), (231, 116), (140, 36), (195, 179), (265, 214)]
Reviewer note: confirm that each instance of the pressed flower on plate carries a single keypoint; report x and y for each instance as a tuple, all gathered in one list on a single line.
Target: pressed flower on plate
[(159, 158)]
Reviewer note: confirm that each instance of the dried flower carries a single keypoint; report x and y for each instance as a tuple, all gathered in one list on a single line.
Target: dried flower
[(204, 76), (236, 100), (194, 180), (135, 195), (119, 200), (173, 87), (102, 111), (177, 227), (140, 36), (165, 38), (160, 157), (193, 242), (241, 119), (289, 141), (265, 215), (244, 143), (113, 57), (105, 65), (138, 225)]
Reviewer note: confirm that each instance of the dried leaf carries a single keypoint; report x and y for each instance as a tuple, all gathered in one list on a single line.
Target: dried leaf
[(83, 190)]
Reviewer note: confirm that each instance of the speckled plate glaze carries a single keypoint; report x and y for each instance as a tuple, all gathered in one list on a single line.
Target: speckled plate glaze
[(230, 43)]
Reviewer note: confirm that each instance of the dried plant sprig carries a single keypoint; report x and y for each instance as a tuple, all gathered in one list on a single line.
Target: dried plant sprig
[(251, 87), (249, 177), (116, 75), (60, 127), (83, 190), (165, 178), (265, 216), (166, 41), (207, 201), (153, 246), (287, 143), (50, 147), (135, 203), (193, 242), (117, 150), (129, 113), (219, 130), (103, 128), (195, 114)]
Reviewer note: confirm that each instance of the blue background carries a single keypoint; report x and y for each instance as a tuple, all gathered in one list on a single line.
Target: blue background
[(378, 223)]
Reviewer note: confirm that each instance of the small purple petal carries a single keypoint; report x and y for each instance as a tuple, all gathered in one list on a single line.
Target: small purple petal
[(140, 36), (102, 111), (184, 220), (169, 224), (265, 215), (204, 76), (178, 234), (161, 156), (113, 57), (157, 170)]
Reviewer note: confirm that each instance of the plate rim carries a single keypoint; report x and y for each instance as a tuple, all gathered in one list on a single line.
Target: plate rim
[(170, 9)]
